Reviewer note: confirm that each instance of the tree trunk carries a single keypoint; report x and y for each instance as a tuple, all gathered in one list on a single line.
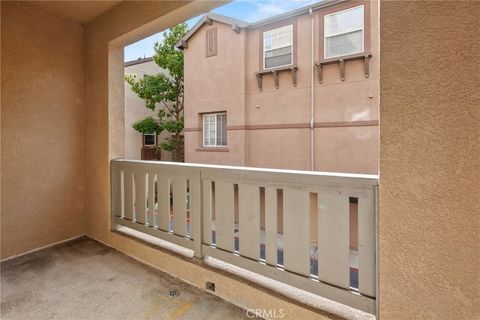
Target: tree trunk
[(177, 151)]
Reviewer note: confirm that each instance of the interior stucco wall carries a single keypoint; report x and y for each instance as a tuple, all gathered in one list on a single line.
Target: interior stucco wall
[(42, 129), (429, 160)]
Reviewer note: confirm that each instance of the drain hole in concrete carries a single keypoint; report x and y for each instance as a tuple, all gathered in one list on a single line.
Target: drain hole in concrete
[(210, 286), (173, 293)]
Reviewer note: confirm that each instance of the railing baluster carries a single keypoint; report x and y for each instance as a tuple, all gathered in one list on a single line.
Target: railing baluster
[(128, 196), (366, 246), (224, 200), (179, 205), (249, 221), (333, 240), (151, 199), (271, 226), (140, 197), (196, 228), (207, 211), (296, 230), (163, 202)]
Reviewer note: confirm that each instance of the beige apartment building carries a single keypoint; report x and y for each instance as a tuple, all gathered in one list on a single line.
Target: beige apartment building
[(296, 91), (140, 146)]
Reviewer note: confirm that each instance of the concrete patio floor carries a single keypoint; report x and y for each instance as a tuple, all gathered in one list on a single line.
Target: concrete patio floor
[(84, 279)]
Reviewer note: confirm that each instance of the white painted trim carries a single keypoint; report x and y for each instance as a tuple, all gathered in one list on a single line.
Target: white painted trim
[(368, 179), (302, 296), (41, 248), (155, 241)]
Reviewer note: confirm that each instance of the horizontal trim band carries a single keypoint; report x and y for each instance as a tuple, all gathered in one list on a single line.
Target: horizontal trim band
[(335, 124)]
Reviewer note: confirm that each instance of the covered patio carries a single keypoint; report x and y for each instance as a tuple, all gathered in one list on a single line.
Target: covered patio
[(79, 239)]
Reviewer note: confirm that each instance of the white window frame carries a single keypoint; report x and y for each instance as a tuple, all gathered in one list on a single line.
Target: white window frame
[(291, 44), (154, 139), (216, 145), (345, 32)]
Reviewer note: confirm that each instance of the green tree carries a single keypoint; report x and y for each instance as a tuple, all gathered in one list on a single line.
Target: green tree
[(164, 92)]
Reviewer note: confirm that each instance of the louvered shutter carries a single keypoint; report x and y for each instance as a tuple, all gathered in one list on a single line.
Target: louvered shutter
[(211, 42)]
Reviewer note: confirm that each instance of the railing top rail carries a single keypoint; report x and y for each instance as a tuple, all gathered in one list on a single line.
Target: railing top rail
[(363, 179)]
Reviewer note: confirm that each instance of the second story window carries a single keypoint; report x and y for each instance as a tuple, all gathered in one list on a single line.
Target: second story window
[(149, 139), (278, 47), (215, 130), (344, 33)]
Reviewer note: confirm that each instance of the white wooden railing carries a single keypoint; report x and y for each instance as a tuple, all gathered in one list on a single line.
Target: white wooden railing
[(291, 226)]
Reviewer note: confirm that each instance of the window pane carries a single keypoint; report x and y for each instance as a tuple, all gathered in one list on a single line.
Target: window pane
[(278, 61), (344, 44), (267, 42), (149, 139), (278, 52), (345, 21), (222, 130), (207, 129), (278, 38), (219, 130)]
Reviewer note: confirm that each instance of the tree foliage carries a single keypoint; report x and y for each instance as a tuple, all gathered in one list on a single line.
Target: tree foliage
[(147, 125), (163, 92)]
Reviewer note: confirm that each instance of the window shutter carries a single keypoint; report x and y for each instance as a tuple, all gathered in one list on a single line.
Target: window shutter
[(211, 42)]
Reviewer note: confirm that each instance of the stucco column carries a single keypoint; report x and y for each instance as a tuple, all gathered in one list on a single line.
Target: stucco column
[(429, 160)]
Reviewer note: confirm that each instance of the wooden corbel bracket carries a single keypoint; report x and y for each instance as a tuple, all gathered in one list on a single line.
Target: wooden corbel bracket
[(276, 78), (341, 62)]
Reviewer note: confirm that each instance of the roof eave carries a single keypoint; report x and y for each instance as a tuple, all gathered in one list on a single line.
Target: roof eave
[(296, 12), (208, 18)]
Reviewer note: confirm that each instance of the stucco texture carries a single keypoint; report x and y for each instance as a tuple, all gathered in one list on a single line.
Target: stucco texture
[(42, 129), (429, 160)]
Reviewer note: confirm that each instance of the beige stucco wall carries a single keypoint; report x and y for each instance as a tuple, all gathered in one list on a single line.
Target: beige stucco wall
[(215, 84), (43, 126), (344, 148), (135, 110), (429, 160)]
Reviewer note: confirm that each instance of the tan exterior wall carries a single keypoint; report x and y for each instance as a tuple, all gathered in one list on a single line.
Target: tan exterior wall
[(135, 110), (43, 126), (346, 105), (215, 84), (429, 168)]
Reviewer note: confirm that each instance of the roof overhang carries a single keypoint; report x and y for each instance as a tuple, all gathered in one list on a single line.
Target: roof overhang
[(208, 18)]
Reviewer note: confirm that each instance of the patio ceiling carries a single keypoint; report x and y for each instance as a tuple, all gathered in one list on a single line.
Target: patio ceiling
[(78, 11)]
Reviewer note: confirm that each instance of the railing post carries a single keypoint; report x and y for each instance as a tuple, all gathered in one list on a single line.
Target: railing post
[(116, 197), (196, 214), (377, 270)]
